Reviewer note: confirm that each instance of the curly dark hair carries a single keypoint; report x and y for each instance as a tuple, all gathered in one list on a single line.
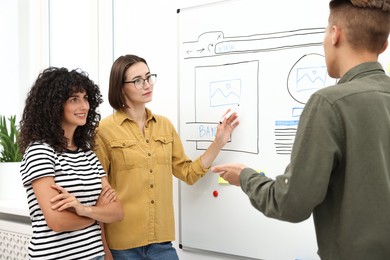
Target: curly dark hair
[(43, 112)]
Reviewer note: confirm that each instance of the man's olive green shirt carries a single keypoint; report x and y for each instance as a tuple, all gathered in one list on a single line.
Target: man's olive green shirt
[(140, 168), (339, 169)]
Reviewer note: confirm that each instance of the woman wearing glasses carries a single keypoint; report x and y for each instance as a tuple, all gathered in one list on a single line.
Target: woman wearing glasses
[(140, 151)]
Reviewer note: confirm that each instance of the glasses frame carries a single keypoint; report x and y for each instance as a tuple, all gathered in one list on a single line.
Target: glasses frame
[(143, 81)]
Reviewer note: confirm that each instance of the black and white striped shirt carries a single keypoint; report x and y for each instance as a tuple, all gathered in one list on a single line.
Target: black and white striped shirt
[(80, 173)]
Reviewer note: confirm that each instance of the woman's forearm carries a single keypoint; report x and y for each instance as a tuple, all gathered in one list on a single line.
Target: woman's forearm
[(107, 213)]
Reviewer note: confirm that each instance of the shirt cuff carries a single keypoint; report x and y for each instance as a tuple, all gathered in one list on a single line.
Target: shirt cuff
[(245, 174), (199, 167)]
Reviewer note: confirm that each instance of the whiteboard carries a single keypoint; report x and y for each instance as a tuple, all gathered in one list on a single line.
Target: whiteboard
[(267, 57)]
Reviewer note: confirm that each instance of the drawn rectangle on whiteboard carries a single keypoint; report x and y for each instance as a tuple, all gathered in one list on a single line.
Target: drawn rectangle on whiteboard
[(277, 41), (201, 132), (311, 78), (225, 92), (226, 86)]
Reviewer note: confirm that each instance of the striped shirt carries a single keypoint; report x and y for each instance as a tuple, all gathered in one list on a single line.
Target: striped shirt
[(79, 172)]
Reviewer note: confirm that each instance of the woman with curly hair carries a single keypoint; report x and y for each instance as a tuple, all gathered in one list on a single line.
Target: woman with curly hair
[(67, 189)]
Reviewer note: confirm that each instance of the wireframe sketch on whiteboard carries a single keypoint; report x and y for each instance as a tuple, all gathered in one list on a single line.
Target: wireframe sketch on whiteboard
[(225, 76), (268, 57), (218, 88), (308, 75), (225, 92)]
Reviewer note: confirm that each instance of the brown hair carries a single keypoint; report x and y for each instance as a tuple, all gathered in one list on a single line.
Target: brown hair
[(366, 26), (117, 77)]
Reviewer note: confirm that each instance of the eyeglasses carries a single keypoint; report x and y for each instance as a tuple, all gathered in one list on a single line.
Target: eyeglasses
[(140, 82)]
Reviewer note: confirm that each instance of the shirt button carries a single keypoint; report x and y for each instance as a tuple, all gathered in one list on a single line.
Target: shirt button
[(286, 181), (149, 154), (152, 201), (151, 170), (151, 186), (147, 140)]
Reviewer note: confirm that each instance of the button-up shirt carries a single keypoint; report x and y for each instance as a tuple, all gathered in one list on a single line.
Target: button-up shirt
[(140, 168)]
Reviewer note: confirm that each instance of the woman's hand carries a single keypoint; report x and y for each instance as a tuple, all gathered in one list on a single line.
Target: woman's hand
[(66, 201), (226, 127), (108, 208), (224, 131), (107, 196)]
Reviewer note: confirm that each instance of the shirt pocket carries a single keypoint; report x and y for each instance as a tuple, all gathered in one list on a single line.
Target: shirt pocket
[(123, 154), (164, 149)]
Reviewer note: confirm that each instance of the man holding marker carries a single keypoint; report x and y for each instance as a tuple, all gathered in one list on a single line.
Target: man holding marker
[(340, 162)]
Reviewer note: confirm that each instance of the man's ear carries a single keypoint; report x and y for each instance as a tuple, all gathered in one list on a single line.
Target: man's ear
[(384, 46), (335, 34)]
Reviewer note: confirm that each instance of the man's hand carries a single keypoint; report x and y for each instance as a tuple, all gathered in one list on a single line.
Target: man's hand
[(229, 172)]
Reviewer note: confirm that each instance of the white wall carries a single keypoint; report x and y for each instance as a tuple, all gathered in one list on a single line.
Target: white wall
[(80, 34), (9, 56)]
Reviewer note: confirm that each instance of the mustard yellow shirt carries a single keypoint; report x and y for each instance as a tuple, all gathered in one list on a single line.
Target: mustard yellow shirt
[(140, 168)]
